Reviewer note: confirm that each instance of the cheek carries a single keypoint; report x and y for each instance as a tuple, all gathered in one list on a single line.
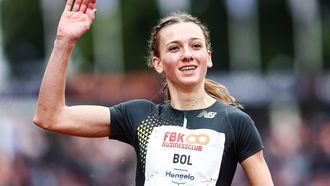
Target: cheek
[(169, 63), (202, 58)]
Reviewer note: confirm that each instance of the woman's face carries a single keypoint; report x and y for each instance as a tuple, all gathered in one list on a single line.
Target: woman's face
[(183, 54)]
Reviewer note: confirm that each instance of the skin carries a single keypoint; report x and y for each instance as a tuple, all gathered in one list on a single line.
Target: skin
[(256, 170), (182, 45), (51, 111)]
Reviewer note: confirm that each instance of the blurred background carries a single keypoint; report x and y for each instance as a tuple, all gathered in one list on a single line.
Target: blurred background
[(273, 56)]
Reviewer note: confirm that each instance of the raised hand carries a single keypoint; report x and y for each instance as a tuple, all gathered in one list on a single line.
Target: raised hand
[(76, 19)]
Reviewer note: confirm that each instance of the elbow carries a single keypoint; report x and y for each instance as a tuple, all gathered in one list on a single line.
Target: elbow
[(47, 117), (40, 122), (44, 120)]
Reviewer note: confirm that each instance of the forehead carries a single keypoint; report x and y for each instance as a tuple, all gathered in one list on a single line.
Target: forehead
[(181, 31)]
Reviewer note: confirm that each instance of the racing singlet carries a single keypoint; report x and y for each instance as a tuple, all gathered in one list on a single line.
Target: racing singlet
[(185, 148), (180, 155)]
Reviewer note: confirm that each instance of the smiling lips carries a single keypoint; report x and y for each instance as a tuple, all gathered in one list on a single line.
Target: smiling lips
[(188, 68)]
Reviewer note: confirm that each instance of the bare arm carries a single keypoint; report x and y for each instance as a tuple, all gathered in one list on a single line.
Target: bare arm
[(257, 171), (51, 110)]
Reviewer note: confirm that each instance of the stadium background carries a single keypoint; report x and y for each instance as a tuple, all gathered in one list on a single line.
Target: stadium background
[(274, 57)]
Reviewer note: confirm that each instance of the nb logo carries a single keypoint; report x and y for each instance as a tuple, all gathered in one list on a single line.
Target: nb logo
[(205, 114)]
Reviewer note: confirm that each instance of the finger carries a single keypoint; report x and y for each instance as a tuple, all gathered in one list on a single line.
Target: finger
[(91, 7), (92, 1), (91, 4), (92, 14), (76, 5), (68, 5), (84, 6)]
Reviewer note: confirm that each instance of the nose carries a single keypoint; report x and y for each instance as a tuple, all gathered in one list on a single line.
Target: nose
[(187, 55)]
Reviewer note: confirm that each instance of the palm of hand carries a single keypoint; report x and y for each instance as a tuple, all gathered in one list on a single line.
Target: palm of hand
[(73, 25)]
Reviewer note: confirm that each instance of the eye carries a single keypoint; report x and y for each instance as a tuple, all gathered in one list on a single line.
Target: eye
[(173, 48), (196, 46)]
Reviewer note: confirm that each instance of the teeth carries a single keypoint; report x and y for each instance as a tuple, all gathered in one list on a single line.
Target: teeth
[(188, 68)]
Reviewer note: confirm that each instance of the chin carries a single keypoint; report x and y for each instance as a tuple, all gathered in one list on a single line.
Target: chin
[(190, 83)]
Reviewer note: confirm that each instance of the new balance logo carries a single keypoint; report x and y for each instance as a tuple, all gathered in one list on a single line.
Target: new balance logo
[(205, 114)]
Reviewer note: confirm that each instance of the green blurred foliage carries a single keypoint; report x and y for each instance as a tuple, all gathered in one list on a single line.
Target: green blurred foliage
[(24, 42), (138, 19), (22, 30), (276, 31), (326, 44), (325, 12), (85, 47)]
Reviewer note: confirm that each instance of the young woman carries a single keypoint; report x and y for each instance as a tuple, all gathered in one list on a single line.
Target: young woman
[(196, 137)]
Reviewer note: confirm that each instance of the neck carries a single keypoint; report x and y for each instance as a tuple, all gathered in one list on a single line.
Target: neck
[(190, 100)]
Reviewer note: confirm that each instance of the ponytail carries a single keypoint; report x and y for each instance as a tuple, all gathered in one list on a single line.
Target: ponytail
[(220, 92)]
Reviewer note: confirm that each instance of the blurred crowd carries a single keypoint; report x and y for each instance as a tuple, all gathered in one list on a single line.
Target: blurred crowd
[(30, 156)]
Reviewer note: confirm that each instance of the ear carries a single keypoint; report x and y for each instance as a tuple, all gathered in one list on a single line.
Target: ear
[(209, 59), (157, 65)]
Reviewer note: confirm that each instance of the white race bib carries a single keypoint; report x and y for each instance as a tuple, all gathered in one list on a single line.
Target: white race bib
[(182, 157)]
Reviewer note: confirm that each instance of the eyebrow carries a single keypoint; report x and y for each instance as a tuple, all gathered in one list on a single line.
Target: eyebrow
[(176, 42)]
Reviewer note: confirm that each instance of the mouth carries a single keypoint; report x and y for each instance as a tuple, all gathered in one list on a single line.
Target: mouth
[(187, 68)]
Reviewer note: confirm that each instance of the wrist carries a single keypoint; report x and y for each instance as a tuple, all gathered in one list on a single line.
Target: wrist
[(64, 43)]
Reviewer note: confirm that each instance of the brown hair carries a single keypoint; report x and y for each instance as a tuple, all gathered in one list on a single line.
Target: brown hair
[(214, 89)]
